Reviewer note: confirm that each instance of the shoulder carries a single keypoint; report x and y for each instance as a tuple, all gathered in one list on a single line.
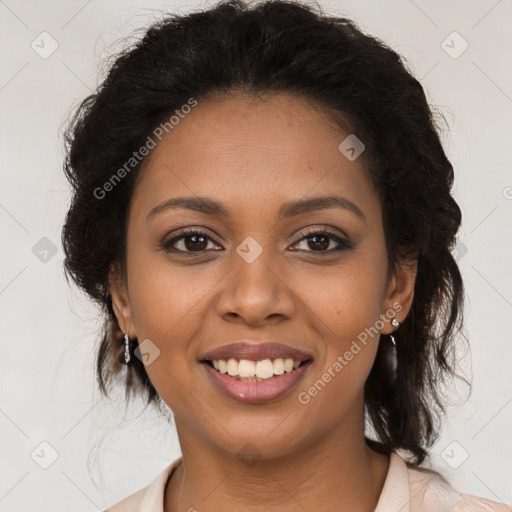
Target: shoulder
[(470, 503), (130, 504), (149, 498), (430, 491)]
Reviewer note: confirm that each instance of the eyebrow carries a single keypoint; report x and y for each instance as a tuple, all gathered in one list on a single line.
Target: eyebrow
[(290, 209)]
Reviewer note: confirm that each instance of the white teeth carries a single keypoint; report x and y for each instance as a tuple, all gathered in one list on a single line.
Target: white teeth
[(223, 365), (278, 366), (246, 368), (232, 367), (288, 365), (264, 369), (255, 370)]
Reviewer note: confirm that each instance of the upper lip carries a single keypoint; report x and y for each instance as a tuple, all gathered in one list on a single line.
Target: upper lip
[(255, 351)]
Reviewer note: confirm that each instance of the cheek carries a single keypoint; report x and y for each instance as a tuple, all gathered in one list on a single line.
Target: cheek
[(346, 308), (348, 325), (348, 299), (167, 300), (168, 310)]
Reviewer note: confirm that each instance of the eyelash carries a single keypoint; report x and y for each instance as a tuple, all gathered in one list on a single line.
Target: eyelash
[(343, 244)]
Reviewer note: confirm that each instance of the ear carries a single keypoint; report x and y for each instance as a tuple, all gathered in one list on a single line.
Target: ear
[(399, 293), (121, 301)]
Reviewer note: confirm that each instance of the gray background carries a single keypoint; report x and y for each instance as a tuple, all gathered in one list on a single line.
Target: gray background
[(48, 331)]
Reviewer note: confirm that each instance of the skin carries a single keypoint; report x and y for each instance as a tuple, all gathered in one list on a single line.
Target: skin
[(247, 153)]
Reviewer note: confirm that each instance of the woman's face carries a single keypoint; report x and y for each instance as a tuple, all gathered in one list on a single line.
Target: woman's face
[(257, 272)]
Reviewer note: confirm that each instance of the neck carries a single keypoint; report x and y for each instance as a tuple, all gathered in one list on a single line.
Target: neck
[(337, 469)]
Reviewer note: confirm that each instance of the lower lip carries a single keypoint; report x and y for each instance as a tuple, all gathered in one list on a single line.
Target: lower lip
[(256, 392)]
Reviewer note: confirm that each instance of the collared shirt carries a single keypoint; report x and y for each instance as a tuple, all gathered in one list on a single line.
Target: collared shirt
[(406, 489)]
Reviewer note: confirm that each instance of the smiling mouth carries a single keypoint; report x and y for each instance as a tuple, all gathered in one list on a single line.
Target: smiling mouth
[(255, 371)]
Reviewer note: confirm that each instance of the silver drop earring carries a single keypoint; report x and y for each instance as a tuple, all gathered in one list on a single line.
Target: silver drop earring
[(392, 357), (395, 323), (126, 348)]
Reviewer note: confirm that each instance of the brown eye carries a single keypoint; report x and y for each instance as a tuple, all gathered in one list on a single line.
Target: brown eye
[(195, 242), (320, 241), (191, 241)]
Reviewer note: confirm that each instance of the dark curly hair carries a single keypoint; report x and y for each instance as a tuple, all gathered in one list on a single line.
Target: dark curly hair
[(269, 47)]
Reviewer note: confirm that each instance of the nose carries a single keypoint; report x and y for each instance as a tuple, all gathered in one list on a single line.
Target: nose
[(257, 292)]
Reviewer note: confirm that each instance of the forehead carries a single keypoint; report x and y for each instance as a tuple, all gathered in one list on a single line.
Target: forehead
[(250, 153)]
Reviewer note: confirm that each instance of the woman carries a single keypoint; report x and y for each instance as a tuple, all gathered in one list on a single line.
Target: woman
[(262, 207)]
